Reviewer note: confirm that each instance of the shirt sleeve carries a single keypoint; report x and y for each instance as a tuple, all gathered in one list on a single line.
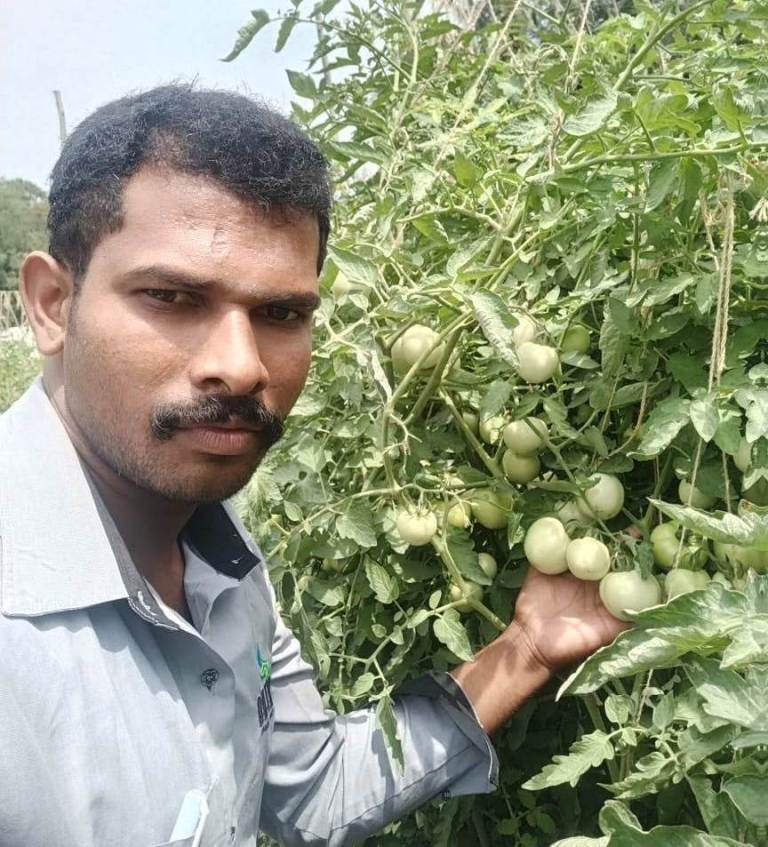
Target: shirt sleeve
[(331, 779)]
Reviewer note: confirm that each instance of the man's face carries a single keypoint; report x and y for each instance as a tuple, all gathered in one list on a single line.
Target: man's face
[(196, 315)]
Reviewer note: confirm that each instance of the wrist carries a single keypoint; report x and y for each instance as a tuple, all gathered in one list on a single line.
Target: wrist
[(502, 677), (529, 652)]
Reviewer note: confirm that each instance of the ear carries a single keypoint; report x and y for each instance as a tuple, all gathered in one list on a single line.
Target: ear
[(47, 288)]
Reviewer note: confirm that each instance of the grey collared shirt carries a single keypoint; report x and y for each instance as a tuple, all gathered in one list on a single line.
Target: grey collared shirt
[(122, 724)]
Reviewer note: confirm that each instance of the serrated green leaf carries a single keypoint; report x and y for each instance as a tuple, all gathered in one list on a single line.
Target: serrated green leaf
[(728, 695), (321, 652), (356, 523), (246, 34), (451, 632), (558, 418), (625, 831), (466, 173), (726, 107), (588, 752), (363, 684), (663, 425), (496, 322), (462, 551), (663, 178), (382, 584), (705, 418), (326, 592), (688, 370), (495, 398), (592, 118), (354, 267), (385, 716), (651, 773), (302, 84), (613, 346), (657, 291), (286, 28), (662, 635)]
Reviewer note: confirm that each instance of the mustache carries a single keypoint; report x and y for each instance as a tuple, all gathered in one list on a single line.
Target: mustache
[(213, 410)]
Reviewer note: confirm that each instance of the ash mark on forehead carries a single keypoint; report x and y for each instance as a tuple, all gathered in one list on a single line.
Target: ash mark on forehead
[(219, 241)]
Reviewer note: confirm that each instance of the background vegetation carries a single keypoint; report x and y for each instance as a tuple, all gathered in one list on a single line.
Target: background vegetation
[(23, 211)]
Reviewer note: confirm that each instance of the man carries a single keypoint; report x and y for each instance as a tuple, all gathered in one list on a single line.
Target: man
[(150, 693)]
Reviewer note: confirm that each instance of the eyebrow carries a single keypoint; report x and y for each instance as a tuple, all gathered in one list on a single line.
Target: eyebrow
[(183, 280)]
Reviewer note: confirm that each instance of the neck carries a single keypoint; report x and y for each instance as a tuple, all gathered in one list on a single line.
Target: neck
[(149, 524)]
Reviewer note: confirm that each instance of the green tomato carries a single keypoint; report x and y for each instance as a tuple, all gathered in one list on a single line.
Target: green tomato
[(536, 362), (588, 558), (681, 581), (575, 340), (342, 287), (625, 592), (334, 565), (520, 469), (569, 513), (416, 528), (487, 565), (665, 542), (471, 420), (526, 436), (490, 509), (460, 598), (490, 428), (545, 546), (412, 344), (691, 496), (604, 499), (524, 331), (742, 557), (459, 515)]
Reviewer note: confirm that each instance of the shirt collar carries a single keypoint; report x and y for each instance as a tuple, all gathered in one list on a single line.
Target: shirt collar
[(59, 547)]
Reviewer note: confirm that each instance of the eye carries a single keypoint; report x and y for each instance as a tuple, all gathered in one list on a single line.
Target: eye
[(284, 314), (167, 296)]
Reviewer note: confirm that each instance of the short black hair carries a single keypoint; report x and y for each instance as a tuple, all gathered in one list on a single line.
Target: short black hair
[(248, 148)]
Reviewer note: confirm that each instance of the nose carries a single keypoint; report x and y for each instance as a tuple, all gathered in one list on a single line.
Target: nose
[(229, 359)]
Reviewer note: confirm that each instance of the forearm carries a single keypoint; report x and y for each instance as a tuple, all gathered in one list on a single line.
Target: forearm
[(502, 677)]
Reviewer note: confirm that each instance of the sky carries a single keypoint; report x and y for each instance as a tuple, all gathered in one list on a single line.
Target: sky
[(96, 50)]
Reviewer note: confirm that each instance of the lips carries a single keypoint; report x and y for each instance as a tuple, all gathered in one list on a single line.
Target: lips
[(229, 439)]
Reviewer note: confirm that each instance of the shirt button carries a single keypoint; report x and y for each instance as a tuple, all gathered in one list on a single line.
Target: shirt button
[(209, 677)]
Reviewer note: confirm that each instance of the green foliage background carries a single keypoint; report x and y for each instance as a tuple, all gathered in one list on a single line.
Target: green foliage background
[(530, 166), (23, 212)]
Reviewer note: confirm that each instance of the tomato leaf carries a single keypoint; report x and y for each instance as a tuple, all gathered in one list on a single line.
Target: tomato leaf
[(247, 33), (356, 523), (354, 267), (705, 418), (386, 719), (496, 322), (588, 752), (663, 425), (383, 585), (592, 118), (449, 631)]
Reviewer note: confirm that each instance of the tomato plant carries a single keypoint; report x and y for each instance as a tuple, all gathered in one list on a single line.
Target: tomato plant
[(537, 221)]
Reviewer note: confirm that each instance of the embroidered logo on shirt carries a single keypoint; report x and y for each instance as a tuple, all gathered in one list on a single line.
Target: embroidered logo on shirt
[(264, 704), (265, 666)]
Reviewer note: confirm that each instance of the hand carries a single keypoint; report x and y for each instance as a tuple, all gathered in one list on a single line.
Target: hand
[(562, 619)]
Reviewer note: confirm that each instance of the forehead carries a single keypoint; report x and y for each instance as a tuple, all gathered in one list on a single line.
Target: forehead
[(171, 217)]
